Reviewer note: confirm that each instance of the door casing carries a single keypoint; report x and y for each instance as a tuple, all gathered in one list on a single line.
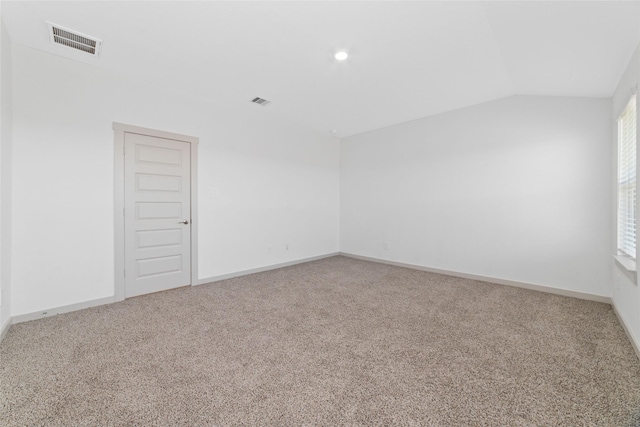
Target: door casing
[(119, 182)]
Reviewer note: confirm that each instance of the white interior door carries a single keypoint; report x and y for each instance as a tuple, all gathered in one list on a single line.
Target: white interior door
[(157, 214)]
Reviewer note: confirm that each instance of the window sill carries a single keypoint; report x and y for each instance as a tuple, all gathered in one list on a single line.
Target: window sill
[(627, 265), (625, 262)]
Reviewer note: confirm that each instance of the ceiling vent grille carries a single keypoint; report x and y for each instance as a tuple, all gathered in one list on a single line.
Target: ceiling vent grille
[(260, 101), (74, 39)]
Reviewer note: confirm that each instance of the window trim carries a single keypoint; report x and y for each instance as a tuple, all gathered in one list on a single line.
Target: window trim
[(623, 257)]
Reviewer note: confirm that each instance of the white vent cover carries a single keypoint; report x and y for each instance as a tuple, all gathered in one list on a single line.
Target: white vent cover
[(73, 39), (260, 101)]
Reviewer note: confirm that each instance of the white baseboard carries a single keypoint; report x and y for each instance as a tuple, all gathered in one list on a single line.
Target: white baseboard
[(265, 268), (108, 300), (541, 288), (59, 310), (4, 329), (635, 343)]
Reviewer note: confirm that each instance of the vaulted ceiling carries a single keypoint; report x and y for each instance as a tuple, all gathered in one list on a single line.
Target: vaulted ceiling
[(407, 59)]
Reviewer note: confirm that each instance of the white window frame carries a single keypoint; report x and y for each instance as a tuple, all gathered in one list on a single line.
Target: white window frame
[(626, 184)]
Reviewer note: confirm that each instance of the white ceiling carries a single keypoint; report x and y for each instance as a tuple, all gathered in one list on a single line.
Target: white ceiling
[(407, 59)]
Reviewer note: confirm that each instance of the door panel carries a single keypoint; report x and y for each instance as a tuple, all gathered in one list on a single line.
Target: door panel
[(157, 210), (157, 203), (159, 238), (158, 183), (158, 155), (159, 266)]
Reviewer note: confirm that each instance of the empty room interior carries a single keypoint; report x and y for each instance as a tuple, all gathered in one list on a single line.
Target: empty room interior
[(319, 213)]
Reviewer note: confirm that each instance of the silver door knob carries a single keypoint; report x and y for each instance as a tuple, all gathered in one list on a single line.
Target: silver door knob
[(186, 221)]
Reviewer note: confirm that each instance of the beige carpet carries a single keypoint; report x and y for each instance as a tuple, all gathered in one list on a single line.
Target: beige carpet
[(332, 342)]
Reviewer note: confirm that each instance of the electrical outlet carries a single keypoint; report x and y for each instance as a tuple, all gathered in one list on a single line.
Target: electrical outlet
[(269, 249), (385, 246), (286, 247)]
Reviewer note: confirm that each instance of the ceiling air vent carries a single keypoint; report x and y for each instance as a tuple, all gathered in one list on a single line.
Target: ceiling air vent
[(74, 39), (260, 101)]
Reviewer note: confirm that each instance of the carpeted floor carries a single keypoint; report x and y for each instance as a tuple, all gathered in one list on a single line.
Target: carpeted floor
[(331, 342)]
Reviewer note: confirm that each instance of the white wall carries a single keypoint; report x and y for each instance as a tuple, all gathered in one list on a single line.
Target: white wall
[(515, 189), (626, 292), (277, 184), (5, 176)]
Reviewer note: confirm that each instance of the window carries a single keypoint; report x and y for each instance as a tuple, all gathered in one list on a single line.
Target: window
[(627, 180)]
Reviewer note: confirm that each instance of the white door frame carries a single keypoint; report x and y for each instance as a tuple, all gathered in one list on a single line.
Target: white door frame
[(119, 130)]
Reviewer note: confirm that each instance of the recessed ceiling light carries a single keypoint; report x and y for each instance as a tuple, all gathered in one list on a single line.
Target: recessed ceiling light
[(342, 55)]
